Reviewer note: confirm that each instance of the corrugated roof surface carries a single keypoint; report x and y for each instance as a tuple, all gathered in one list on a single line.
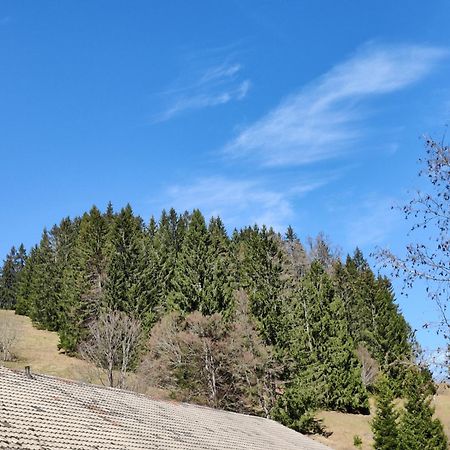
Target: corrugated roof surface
[(55, 414)]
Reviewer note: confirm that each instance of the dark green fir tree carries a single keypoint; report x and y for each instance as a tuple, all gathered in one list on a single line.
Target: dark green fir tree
[(260, 271), (218, 295), (125, 264), (84, 278), (45, 289), (8, 281), (188, 291), (418, 430), (384, 425), (24, 285)]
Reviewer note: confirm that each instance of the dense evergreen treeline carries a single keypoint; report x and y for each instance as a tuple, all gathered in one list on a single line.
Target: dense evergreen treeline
[(330, 323), (10, 276)]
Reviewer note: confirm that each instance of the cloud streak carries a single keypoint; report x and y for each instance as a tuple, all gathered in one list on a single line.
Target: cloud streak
[(215, 85), (369, 221), (241, 202), (324, 118)]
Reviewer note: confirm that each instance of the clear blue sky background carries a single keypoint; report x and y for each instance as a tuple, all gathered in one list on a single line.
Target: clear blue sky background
[(280, 112)]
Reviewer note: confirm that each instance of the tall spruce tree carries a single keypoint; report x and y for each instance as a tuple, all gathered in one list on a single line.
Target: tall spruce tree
[(10, 274), (161, 260), (418, 430), (296, 409), (177, 227), (218, 280), (150, 282), (295, 254), (373, 318), (391, 340), (20, 260), (8, 281), (188, 292), (152, 228), (45, 289), (84, 278), (384, 425), (318, 347), (260, 269), (125, 263), (24, 285)]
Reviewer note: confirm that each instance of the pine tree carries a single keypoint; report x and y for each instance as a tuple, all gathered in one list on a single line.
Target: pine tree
[(45, 289), (320, 347), (24, 285), (418, 430), (84, 278), (384, 425), (295, 254), (296, 409), (152, 228), (20, 259), (260, 271), (150, 286), (63, 238), (355, 283), (341, 368), (125, 248), (10, 275), (177, 228), (374, 319), (188, 292), (8, 281), (161, 259), (109, 213), (391, 340), (218, 295)]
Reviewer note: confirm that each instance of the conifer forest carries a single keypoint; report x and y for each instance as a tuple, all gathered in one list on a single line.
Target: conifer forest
[(254, 322)]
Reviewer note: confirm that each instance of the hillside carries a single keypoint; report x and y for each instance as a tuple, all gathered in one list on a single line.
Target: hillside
[(38, 348)]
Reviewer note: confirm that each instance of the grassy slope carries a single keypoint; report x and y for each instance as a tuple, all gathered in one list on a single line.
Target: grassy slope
[(38, 348), (345, 426)]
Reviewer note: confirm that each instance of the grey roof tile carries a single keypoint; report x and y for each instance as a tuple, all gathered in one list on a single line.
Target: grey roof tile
[(49, 413)]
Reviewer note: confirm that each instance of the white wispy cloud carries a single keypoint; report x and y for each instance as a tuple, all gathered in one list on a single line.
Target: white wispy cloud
[(321, 120), (240, 202), (370, 221), (214, 85)]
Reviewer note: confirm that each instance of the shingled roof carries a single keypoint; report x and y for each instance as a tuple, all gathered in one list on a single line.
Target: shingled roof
[(50, 413)]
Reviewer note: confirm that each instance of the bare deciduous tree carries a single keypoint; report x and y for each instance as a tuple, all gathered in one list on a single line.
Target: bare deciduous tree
[(322, 250), (112, 345), (8, 337), (428, 258), (370, 367), (201, 359)]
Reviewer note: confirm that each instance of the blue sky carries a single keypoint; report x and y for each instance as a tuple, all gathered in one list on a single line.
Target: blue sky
[(276, 112)]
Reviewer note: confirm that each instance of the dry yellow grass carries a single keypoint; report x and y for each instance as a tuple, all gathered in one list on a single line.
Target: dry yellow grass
[(39, 349), (345, 426), (442, 404)]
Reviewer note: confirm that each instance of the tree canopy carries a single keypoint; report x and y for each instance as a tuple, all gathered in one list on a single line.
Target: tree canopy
[(282, 324)]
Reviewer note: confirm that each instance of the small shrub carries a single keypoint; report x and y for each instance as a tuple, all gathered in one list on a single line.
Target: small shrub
[(357, 441), (8, 337)]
